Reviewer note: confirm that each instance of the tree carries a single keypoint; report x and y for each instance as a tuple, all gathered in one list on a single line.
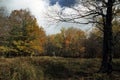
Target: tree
[(73, 42), (53, 45), (67, 43), (92, 10), (4, 30), (25, 37), (94, 39), (116, 38)]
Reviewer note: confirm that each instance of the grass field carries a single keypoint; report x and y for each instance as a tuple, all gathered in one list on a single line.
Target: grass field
[(54, 68)]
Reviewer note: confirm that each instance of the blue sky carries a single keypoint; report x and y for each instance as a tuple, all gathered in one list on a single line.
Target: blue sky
[(39, 7), (63, 3)]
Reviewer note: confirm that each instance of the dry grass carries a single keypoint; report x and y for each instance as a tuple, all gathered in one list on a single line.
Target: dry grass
[(53, 68)]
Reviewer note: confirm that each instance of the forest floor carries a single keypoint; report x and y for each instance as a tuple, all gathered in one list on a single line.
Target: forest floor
[(55, 68)]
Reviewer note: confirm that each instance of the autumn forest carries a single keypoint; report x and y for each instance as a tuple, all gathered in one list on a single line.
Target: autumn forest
[(27, 52), (22, 36)]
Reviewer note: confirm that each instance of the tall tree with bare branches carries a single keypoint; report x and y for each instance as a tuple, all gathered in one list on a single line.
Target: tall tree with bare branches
[(90, 11)]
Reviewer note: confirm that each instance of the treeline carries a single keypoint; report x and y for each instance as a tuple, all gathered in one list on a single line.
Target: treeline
[(74, 42), (20, 35)]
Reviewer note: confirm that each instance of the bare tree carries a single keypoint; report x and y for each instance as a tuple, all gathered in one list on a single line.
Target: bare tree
[(90, 11)]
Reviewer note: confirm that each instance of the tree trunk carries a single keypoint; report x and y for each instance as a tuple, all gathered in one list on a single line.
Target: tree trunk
[(107, 40)]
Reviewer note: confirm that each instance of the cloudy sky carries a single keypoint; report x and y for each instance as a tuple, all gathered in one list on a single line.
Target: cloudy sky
[(38, 8)]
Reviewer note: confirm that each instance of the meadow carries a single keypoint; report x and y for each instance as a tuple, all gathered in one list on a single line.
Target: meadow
[(55, 68)]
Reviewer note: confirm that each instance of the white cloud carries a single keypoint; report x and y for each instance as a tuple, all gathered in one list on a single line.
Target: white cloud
[(38, 8)]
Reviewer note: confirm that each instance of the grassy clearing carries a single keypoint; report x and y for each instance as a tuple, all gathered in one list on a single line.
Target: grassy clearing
[(52, 68)]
